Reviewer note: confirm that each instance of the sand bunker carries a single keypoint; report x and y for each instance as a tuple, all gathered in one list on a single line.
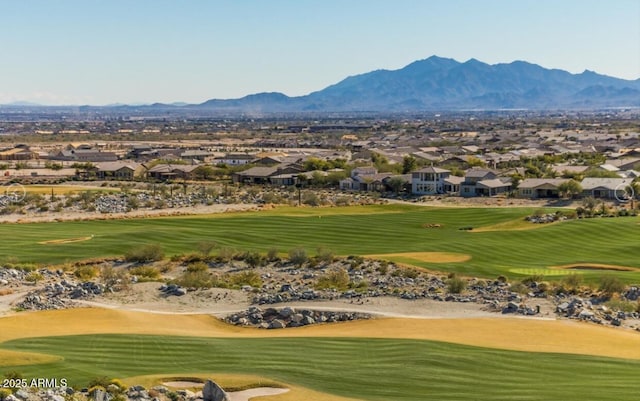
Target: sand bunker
[(65, 240), (244, 395), (596, 266), (429, 257)]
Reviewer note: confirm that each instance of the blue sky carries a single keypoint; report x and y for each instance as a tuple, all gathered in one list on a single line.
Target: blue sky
[(143, 51)]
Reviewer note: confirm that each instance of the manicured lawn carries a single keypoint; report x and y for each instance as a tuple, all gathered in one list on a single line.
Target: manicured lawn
[(351, 231), (370, 369)]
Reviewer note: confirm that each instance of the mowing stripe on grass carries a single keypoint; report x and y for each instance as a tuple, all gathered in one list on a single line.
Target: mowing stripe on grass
[(383, 230), (371, 369), (505, 333)]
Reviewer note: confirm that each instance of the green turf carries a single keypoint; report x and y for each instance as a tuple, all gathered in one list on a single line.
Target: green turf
[(371, 369), (355, 230)]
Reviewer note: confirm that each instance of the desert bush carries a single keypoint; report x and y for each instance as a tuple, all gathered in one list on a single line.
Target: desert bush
[(225, 254), (195, 279), (86, 272), (238, 280), (145, 253), (336, 278), (272, 255), (206, 247), (610, 285), (456, 285), (253, 259), (197, 267), (113, 277), (519, 287), (145, 272), (324, 255), (355, 261), (4, 393), (570, 284), (383, 267), (534, 278), (298, 256), (617, 304), (311, 199), (34, 277)]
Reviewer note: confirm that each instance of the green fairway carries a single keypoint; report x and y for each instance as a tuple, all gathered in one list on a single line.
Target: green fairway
[(370, 369), (351, 230)]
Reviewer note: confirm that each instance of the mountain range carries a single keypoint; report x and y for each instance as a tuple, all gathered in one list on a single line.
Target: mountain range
[(438, 83)]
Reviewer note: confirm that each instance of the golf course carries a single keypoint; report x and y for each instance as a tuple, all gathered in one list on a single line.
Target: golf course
[(379, 359), (486, 242)]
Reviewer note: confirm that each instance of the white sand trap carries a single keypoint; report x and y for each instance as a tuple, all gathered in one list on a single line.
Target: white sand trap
[(247, 395), (244, 395)]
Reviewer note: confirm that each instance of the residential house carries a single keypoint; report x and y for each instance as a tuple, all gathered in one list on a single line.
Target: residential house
[(196, 154), (483, 182), (429, 181), (606, 188), (164, 172), (118, 170), (235, 159), (535, 188), (19, 152), (627, 163), (84, 156), (282, 175), (365, 179)]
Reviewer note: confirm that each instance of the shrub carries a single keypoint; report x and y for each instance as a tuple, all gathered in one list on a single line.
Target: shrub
[(298, 256), (383, 268), (145, 253), (146, 272), (244, 278), (197, 267), (34, 277), (253, 259), (311, 199), (456, 285), (535, 278), (520, 288), (610, 285), (571, 283), (112, 277), (337, 278), (226, 254), (324, 255), (86, 272), (205, 247), (195, 279), (356, 261), (272, 255), (618, 304)]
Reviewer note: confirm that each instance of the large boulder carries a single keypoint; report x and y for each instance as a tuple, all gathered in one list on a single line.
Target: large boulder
[(213, 392)]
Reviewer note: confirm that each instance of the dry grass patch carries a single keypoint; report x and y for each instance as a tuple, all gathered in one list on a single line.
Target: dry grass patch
[(16, 358), (501, 333), (428, 257), (64, 240), (595, 266)]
